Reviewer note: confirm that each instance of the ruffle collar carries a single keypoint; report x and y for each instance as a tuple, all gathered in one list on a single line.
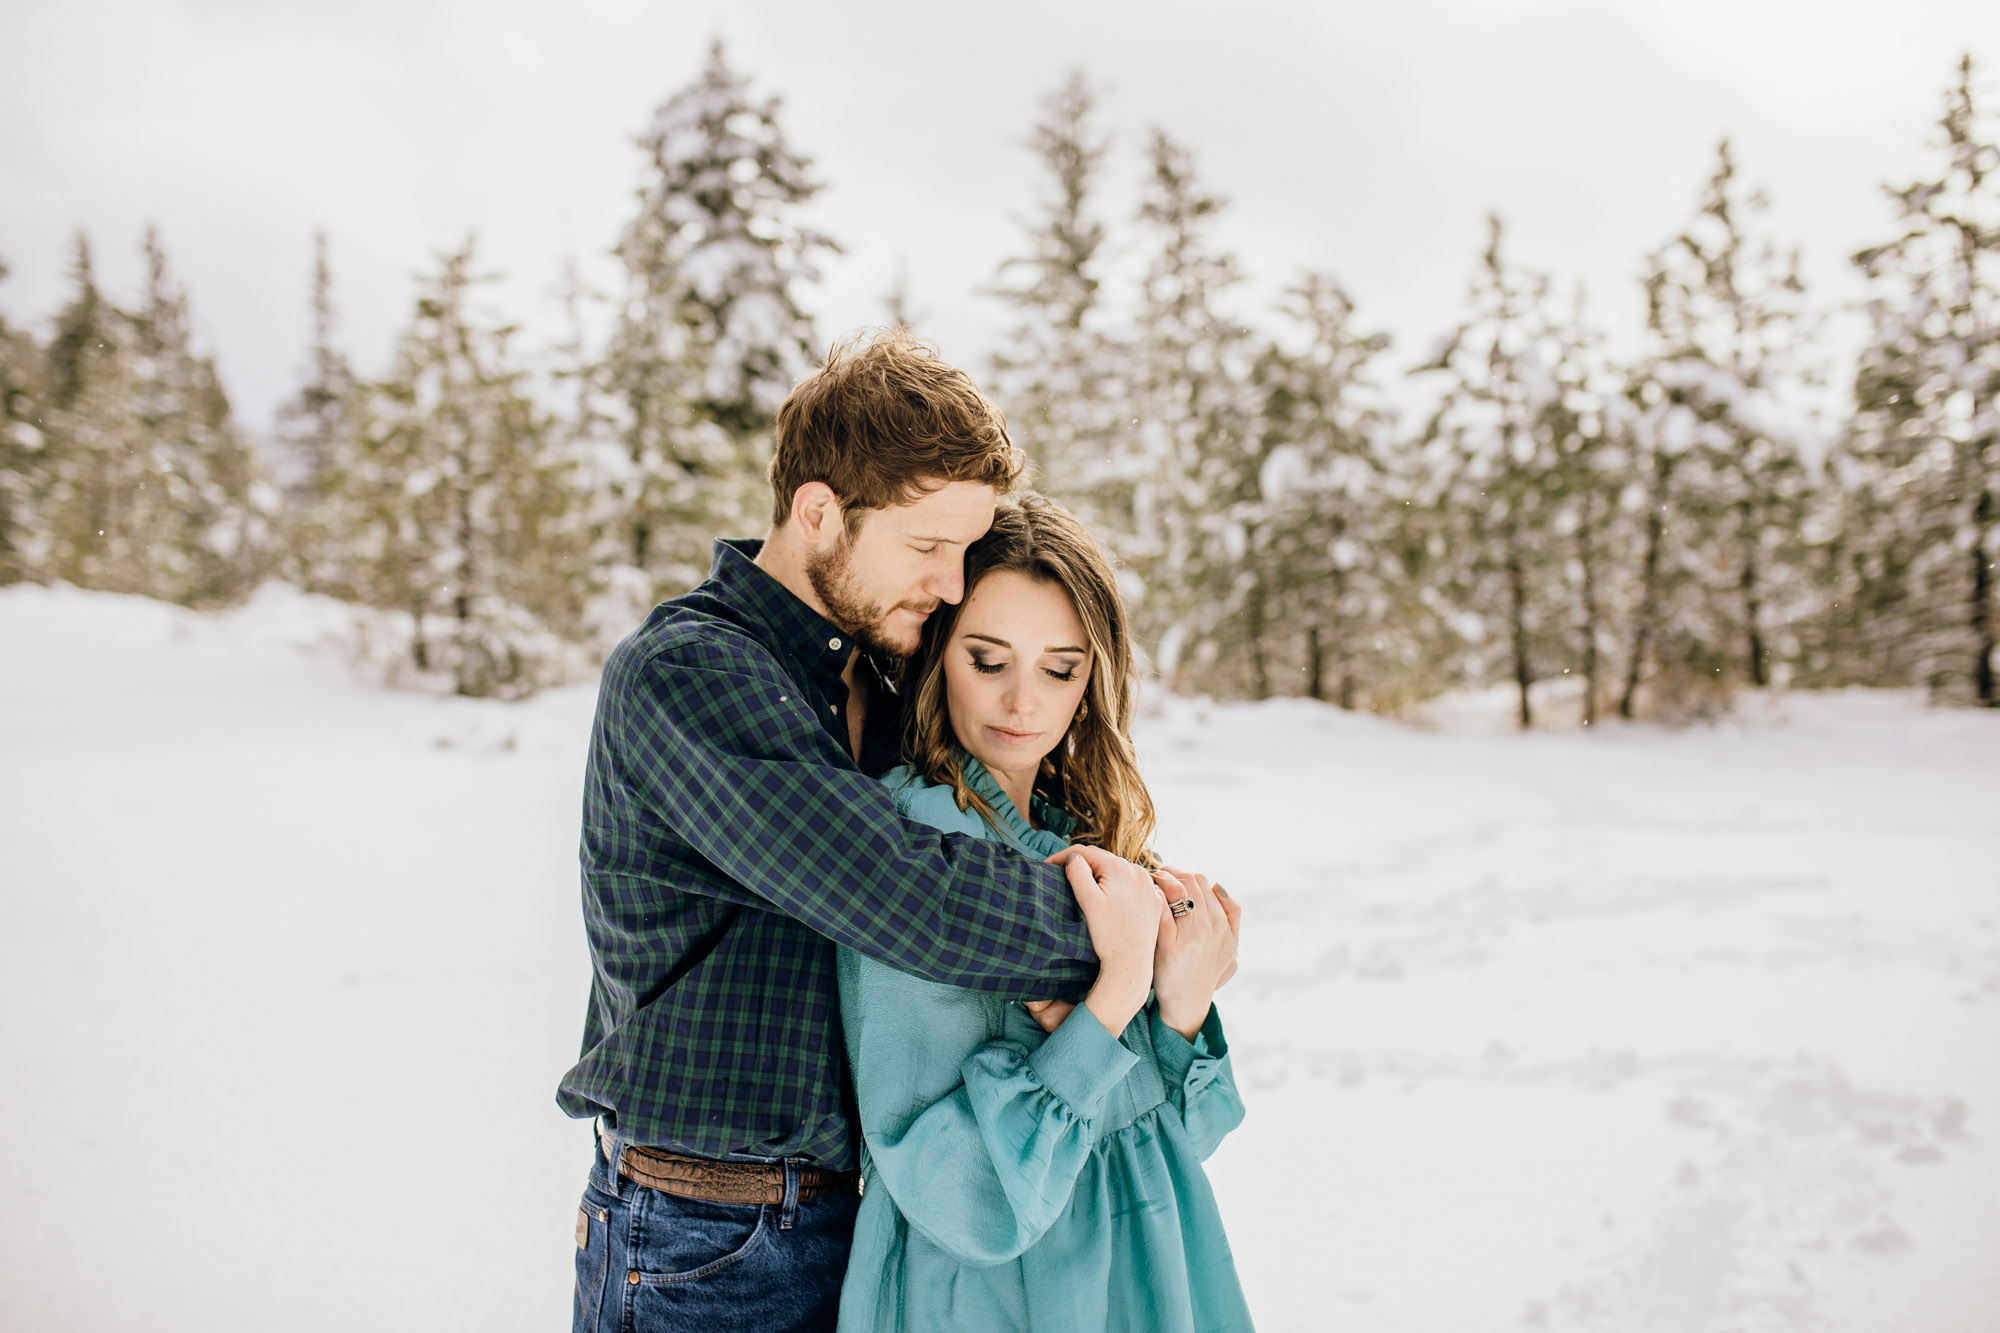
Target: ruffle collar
[(1056, 825)]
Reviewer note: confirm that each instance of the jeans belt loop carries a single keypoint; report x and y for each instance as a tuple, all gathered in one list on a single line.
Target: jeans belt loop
[(613, 1143), (790, 1212)]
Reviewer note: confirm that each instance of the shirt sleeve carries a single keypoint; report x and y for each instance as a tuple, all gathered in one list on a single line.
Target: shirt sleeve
[(981, 1153), (735, 765), (1200, 1082)]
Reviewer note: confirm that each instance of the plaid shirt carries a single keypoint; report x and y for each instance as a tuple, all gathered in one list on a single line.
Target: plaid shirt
[(729, 841)]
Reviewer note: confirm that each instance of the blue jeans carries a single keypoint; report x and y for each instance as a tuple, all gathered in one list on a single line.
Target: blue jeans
[(652, 1262)]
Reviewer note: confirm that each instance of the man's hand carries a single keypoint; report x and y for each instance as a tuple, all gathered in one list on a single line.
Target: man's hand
[(1123, 914), (1106, 867), (1049, 1013)]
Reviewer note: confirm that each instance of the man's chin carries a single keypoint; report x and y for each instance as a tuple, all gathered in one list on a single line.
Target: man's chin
[(898, 634), (886, 640)]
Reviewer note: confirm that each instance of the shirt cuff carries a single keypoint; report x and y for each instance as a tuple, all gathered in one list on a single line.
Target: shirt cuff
[(1178, 1056), (1081, 1062)]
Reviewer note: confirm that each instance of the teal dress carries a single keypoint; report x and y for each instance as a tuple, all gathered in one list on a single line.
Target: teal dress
[(1014, 1179)]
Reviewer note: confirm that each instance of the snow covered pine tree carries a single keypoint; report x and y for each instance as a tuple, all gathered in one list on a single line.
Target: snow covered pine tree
[(1493, 474), (1324, 603), (446, 501), (1926, 428), (145, 485), (1725, 313), (1054, 374), (709, 336), (1191, 453)]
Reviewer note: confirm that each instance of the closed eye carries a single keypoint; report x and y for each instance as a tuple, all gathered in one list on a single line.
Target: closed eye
[(985, 668), (1065, 675)]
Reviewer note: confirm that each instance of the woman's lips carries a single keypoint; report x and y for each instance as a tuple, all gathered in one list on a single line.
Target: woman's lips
[(1016, 737)]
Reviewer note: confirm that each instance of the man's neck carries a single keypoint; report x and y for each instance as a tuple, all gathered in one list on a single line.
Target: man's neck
[(785, 561)]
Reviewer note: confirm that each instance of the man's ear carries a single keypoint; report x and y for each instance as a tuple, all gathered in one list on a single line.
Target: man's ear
[(816, 515)]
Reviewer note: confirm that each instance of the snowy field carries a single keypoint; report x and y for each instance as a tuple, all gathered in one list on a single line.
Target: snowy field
[(1641, 1030)]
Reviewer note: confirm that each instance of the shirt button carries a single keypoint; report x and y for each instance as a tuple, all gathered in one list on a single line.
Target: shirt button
[(833, 708), (833, 643)]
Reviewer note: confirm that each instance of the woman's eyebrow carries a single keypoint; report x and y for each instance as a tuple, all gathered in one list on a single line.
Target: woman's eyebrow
[(1002, 643)]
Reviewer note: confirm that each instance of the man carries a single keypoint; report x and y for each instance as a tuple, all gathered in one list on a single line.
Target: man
[(733, 831)]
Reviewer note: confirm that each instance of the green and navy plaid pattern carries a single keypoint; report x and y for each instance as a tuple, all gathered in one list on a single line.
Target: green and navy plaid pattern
[(729, 841)]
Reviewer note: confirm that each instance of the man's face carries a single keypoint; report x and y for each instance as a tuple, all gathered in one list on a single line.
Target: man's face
[(881, 583)]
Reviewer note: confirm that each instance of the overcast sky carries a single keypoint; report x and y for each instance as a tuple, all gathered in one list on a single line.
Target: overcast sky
[(1370, 140)]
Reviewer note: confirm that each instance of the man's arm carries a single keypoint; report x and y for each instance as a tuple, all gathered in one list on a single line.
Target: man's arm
[(736, 765)]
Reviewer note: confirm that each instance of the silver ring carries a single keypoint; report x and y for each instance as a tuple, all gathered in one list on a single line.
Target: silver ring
[(1181, 907)]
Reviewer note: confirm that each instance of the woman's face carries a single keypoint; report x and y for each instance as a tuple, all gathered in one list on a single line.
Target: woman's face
[(1015, 670)]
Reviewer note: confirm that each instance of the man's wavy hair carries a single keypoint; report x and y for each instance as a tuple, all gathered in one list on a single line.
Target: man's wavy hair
[(1093, 772), (883, 422)]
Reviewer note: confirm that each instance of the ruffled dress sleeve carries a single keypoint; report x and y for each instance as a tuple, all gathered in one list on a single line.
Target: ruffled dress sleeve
[(979, 1151), (1200, 1083)]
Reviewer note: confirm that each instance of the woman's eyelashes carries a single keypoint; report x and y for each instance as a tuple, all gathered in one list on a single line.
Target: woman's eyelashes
[(986, 666)]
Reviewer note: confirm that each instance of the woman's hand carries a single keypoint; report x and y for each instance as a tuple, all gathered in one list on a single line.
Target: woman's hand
[(1195, 953), (1234, 911), (1124, 915)]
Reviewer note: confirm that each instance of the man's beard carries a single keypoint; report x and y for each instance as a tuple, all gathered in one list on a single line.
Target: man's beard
[(831, 574)]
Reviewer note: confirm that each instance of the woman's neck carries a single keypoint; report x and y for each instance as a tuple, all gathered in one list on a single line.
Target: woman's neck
[(1020, 789)]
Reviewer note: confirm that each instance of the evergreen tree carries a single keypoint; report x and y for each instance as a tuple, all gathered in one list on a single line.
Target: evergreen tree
[(676, 479), (311, 423), (614, 591), (203, 501), (86, 468), (149, 489), (1924, 525), (22, 537), (1493, 469), (1587, 428), (447, 502), (709, 335), (1667, 624), (1330, 596), (1725, 312), (1052, 375), (1184, 476)]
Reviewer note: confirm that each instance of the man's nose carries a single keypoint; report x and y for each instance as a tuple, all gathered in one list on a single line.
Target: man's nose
[(948, 583)]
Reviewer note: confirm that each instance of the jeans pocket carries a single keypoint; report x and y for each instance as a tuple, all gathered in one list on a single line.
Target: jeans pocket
[(593, 1260), (675, 1240)]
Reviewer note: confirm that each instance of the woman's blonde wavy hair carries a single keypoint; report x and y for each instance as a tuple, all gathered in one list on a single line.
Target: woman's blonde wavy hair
[(1093, 772)]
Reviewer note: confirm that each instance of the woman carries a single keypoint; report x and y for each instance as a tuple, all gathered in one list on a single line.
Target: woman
[(1042, 1170)]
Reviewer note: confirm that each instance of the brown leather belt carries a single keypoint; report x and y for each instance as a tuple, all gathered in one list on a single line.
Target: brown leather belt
[(725, 1182)]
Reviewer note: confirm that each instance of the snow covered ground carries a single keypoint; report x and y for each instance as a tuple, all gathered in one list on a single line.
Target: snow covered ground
[(1639, 1030)]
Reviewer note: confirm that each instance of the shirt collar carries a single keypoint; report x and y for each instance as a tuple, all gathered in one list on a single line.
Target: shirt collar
[(788, 623)]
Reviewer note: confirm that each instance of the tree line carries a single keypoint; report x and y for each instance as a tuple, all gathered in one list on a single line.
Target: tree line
[(1659, 528)]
